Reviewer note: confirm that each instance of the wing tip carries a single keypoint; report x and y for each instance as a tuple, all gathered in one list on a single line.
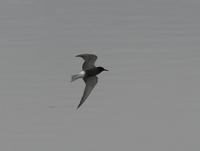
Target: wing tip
[(78, 106), (77, 56)]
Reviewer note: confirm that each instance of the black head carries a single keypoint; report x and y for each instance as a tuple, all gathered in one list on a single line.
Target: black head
[(101, 69)]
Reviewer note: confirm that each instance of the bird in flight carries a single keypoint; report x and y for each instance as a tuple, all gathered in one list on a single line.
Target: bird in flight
[(88, 74)]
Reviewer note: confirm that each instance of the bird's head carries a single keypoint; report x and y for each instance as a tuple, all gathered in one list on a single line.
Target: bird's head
[(101, 69)]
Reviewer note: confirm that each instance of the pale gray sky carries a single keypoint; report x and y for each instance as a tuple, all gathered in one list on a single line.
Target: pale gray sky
[(149, 100)]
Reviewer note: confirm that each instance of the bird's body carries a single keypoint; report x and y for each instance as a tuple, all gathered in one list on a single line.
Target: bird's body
[(93, 71), (88, 73)]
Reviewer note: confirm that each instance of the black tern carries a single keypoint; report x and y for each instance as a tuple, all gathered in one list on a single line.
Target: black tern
[(88, 74)]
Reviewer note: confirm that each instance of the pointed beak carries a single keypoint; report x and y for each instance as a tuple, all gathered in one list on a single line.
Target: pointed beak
[(106, 70)]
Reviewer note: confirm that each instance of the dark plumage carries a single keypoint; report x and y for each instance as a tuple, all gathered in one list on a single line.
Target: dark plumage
[(94, 71), (88, 74)]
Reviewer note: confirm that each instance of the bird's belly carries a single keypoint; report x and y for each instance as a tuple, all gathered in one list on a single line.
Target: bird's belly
[(82, 73)]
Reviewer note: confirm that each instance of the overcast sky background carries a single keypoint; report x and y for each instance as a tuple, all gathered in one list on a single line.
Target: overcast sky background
[(149, 100)]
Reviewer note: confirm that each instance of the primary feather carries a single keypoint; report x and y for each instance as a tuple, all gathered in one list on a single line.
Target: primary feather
[(89, 61), (90, 84)]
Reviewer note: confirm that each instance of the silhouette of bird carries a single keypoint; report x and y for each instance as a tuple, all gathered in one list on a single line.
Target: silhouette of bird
[(88, 74)]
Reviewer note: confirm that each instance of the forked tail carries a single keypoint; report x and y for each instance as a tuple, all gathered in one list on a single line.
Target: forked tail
[(75, 77)]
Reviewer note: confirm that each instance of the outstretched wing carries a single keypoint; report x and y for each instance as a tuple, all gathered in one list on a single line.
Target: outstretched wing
[(90, 84), (89, 60)]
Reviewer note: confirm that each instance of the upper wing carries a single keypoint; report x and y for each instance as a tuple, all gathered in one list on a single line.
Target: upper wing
[(90, 84), (89, 60)]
